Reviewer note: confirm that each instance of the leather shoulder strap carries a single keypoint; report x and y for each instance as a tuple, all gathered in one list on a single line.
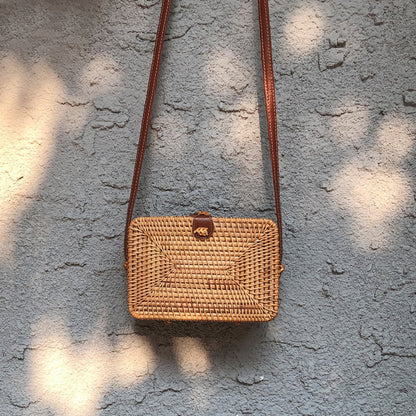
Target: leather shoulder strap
[(269, 94)]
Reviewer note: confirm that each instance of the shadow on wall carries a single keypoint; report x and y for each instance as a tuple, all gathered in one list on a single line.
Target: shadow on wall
[(36, 104)]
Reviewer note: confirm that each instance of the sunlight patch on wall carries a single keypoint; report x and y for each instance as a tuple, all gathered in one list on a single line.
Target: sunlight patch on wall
[(102, 73), (28, 117), (245, 126), (33, 101), (134, 359), (71, 377), (304, 29), (372, 188), (191, 355), (233, 85), (371, 197), (395, 138), (226, 70)]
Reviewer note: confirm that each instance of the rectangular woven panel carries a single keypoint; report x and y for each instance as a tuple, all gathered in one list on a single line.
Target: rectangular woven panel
[(232, 276)]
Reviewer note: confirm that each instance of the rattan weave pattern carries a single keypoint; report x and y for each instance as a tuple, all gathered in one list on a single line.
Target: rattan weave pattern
[(232, 276)]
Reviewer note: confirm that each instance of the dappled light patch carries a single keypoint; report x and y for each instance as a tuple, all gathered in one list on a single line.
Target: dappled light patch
[(395, 138), (134, 358), (70, 377), (372, 187), (304, 29), (191, 354), (28, 117), (102, 73)]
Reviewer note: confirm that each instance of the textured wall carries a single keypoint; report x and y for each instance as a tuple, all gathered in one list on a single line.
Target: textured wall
[(73, 75)]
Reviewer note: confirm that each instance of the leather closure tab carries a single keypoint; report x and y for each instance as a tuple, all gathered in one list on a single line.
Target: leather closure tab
[(202, 225)]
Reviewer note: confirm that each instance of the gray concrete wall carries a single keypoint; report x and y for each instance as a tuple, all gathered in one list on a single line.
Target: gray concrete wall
[(73, 76)]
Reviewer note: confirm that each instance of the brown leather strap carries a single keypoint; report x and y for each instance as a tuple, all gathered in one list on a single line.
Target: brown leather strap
[(151, 88), (270, 98), (269, 94)]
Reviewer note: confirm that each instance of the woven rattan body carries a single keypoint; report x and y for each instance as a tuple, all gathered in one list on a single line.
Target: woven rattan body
[(232, 276)]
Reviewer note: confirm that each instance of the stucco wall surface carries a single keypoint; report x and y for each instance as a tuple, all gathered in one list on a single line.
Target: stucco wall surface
[(73, 78)]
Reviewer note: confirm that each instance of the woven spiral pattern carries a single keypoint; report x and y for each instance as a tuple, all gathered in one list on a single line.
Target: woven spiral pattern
[(232, 276)]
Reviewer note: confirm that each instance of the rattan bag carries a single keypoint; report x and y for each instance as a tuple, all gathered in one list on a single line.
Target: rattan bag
[(200, 267)]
